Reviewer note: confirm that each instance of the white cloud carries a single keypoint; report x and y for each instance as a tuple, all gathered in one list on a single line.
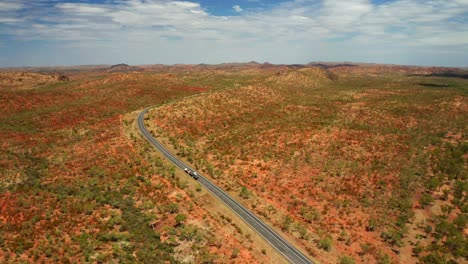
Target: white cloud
[(462, 2), (9, 20), (186, 5), (237, 8), (298, 27), (10, 6), (9, 12), (340, 14), (83, 9), (308, 20)]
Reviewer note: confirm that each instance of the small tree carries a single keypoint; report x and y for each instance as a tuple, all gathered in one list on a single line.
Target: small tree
[(235, 253), (244, 193), (326, 243), (287, 222), (172, 208), (428, 229), (347, 260), (180, 219), (426, 199), (302, 231)]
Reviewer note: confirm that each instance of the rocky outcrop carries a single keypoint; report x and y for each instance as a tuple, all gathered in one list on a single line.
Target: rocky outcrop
[(123, 68), (309, 77)]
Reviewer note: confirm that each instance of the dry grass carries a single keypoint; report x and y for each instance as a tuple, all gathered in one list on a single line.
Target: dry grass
[(329, 156), (25, 80), (356, 161), (74, 187)]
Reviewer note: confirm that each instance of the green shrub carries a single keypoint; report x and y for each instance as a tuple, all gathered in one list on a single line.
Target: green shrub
[(426, 199), (433, 183), (347, 260), (371, 225), (451, 162), (189, 233), (461, 221), (326, 243), (428, 229), (235, 253), (286, 222), (384, 259), (180, 219), (171, 208), (302, 231), (112, 236), (392, 236), (434, 258), (244, 193), (310, 214), (417, 250), (460, 191)]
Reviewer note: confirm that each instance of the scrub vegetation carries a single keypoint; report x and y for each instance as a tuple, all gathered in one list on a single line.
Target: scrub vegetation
[(353, 163), (364, 164), (76, 186)]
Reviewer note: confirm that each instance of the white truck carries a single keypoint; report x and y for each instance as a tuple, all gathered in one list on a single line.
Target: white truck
[(192, 173)]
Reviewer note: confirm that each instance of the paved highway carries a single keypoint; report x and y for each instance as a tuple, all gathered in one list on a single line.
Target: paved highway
[(285, 248)]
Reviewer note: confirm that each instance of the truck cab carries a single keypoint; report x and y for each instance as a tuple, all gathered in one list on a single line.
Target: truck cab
[(193, 174)]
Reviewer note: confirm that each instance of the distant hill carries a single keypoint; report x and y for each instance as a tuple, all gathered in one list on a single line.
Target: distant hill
[(57, 69), (28, 80), (240, 66), (326, 65), (122, 67)]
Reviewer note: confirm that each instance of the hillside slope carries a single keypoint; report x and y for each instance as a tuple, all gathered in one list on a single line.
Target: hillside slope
[(368, 164), (77, 184)]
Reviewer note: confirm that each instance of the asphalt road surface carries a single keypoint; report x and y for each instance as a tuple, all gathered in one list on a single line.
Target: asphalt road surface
[(284, 247)]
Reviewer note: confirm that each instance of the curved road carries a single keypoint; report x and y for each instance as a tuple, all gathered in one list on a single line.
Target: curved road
[(279, 243)]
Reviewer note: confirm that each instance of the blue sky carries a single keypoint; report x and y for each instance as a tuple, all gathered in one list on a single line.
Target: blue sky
[(77, 32)]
